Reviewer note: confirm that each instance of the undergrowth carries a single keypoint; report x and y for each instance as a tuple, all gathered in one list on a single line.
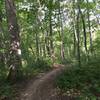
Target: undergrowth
[(82, 83), (37, 66), (7, 91)]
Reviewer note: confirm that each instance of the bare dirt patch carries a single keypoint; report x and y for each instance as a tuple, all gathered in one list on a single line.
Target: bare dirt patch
[(42, 88)]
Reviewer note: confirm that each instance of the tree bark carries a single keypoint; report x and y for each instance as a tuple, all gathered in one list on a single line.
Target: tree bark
[(84, 29), (62, 34), (78, 39), (37, 45), (15, 51), (89, 26), (50, 27), (74, 30)]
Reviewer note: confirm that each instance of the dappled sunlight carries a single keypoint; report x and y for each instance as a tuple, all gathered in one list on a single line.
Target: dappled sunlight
[(42, 39)]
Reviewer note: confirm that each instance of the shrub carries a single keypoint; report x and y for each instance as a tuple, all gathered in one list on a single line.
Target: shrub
[(6, 91), (38, 65), (82, 80), (42, 64)]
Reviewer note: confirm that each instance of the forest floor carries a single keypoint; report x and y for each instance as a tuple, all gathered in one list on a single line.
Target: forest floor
[(42, 87)]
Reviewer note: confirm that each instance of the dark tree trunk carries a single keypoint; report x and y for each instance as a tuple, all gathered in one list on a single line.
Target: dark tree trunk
[(50, 27), (44, 45), (84, 29), (74, 40), (37, 45), (47, 43), (89, 25), (62, 34), (74, 31), (78, 40), (15, 51)]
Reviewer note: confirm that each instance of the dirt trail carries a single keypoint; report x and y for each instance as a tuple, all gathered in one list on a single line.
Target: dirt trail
[(42, 88)]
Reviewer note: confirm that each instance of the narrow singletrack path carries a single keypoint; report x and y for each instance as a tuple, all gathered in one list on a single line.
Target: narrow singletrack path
[(42, 88)]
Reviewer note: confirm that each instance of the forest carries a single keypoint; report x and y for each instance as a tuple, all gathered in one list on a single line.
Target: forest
[(49, 50)]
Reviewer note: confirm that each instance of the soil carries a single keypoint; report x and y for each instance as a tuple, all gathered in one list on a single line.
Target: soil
[(42, 87)]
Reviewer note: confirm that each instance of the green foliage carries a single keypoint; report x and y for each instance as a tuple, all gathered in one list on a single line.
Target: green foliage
[(82, 80), (34, 17), (36, 66), (6, 91), (42, 63)]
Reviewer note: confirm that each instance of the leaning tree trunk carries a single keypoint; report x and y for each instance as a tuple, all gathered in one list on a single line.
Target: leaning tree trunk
[(15, 51)]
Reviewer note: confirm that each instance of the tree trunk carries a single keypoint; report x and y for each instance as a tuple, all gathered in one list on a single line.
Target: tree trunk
[(84, 29), (50, 27), (74, 31), (15, 51), (78, 40), (47, 43), (37, 45), (88, 15), (62, 34)]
